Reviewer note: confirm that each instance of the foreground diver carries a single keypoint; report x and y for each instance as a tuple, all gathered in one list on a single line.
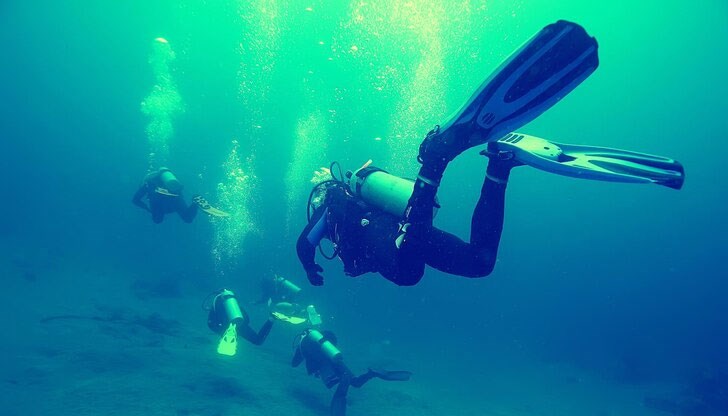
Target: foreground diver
[(227, 319), (164, 192), (325, 361), (381, 223)]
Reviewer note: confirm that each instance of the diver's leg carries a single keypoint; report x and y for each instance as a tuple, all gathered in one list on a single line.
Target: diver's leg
[(410, 264), (419, 240), (487, 222), (187, 213), (359, 381), (157, 212), (436, 152), (411, 240), (434, 158), (256, 338), (450, 254), (338, 402), (399, 261)]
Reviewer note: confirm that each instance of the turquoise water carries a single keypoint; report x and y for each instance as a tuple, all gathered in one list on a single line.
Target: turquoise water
[(607, 299)]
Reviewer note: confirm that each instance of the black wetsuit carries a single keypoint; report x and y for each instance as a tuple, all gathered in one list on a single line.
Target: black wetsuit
[(160, 204), (366, 237), (242, 326), (330, 371)]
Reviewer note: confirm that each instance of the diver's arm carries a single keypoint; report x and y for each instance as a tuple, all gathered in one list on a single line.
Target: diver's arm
[(257, 338), (310, 237), (137, 200)]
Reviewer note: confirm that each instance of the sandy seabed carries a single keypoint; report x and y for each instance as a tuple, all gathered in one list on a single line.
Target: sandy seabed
[(66, 352)]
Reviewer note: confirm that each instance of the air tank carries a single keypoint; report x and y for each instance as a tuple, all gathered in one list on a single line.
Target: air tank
[(381, 189)]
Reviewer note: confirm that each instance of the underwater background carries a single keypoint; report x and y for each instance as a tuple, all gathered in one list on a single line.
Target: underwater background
[(607, 299)]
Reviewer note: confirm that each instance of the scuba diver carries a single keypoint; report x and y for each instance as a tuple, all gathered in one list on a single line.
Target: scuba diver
[(228, 319), (382, 223), (280, 294), (325, 361), (277, 289), (164, 192)]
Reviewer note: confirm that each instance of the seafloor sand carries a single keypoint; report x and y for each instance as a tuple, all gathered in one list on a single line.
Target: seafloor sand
[(112, 353)]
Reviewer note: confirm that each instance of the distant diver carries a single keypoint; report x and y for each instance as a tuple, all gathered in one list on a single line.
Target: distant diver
[(229, 320), (281, 297), (382, 223), (325, 361), (275, 289), (163, 191)]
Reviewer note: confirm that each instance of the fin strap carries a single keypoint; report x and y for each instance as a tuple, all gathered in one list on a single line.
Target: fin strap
[(496, 180)]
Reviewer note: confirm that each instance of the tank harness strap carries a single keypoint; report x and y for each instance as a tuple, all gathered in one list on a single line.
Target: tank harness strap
[(428, 181), (496, 180)]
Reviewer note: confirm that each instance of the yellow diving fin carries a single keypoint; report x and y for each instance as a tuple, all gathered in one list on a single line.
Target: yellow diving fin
[(229, 342), (295, 320)]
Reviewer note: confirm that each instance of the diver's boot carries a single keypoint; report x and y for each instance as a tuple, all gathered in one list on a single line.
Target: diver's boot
[(435, 153), (439, 148), (500, 163)]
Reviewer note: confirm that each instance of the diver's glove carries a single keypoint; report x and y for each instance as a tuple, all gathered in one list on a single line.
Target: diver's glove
[(314, 275)]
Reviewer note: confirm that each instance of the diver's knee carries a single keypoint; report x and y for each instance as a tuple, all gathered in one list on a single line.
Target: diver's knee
[(486, 269), (484, 266), (409, 278)]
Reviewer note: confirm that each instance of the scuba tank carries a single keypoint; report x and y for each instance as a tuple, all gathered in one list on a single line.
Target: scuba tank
[(314, 318), (169, 181), (289, 287), (381, 189), (224, 311), (327, 347)]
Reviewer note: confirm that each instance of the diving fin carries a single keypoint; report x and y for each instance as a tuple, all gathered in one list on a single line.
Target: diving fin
[(216, 212), (314, 318), (163, 191), (534, 78), (205, 206), (592, 162), (392, 375), (295, 320), (228, 344)]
